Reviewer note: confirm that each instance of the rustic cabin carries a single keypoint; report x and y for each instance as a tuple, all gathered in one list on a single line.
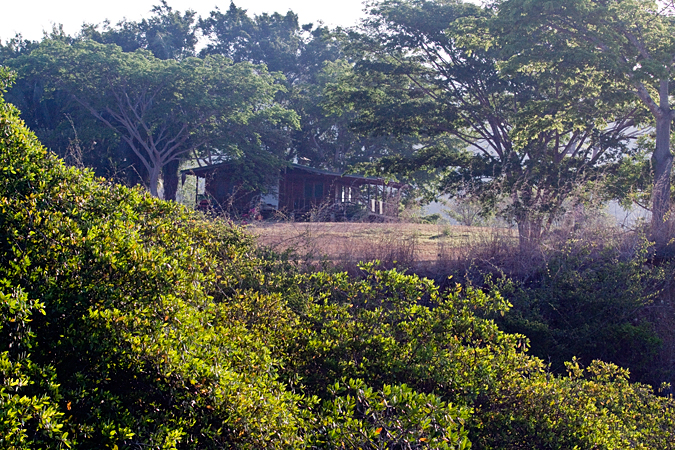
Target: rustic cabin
[(298, 193)]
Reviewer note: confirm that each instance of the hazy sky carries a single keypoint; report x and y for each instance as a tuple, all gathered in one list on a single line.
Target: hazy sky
[(31, 17)]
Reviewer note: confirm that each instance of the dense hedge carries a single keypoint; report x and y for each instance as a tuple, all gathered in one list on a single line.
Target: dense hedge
[(590, 300), (128, 322)]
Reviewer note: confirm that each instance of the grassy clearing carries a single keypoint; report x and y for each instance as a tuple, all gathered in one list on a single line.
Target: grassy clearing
[(408, 244)]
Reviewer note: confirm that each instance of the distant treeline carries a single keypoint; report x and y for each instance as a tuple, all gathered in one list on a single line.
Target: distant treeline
[(134, 99)]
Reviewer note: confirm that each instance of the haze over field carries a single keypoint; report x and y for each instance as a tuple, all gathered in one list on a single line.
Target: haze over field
[(32, 17)]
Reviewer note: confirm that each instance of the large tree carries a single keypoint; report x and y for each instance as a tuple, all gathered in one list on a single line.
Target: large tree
[(272, 39), (163, 109), (310, 57), (531, 136), (631, 41), (168, 34), (60, 124), (69, 130)]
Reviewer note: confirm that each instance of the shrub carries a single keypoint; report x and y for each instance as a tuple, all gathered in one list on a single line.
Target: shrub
[(593, 408), (139, 351), (395, 417), (129, 322), (587, 302)]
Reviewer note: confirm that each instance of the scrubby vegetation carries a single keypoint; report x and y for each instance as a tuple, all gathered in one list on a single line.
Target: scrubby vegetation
[(130, 322), (593, 292), (591, 302)]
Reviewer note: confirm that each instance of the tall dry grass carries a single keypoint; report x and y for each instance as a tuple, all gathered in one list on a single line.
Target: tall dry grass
[(426, 249), (435, 250)]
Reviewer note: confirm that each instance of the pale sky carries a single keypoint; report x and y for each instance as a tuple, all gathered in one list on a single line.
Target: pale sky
[(31, 17)]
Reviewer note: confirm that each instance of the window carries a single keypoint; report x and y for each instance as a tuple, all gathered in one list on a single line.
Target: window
[(346, 193)]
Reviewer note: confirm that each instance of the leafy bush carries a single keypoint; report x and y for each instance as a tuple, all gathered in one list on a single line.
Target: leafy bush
[(390, 328), (592, 408), (140, 352), (588, 302), (130, 322), (395, 417)]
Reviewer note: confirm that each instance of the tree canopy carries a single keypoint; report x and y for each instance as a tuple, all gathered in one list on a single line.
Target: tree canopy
[(528, 136), (163, 109), (630, 42), (518, 105), (168, 34), (308, 56)]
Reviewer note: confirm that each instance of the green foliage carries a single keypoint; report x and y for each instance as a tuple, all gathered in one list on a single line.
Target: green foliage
[(395, 417), (592, 408), (73, 133), (164, 109), (521, 139), (271, 39), (310, 57), (588, 302), (131, 322), (168, 34), (134, 342), (392, 328), (630, 44), (29, 393)]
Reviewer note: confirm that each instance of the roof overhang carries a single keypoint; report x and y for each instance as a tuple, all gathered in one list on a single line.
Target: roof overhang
[(354, 179)]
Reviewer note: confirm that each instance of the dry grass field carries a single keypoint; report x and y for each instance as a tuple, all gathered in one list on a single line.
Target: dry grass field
[(408, 244)]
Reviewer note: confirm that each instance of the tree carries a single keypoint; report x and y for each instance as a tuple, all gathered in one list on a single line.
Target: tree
[(272, 39), (531, 136), (168, 34), (163, 109), (59, 122), (632, 42), (69, 130), (310, 57)]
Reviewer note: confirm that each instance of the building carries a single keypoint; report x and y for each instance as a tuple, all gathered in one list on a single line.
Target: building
[(298, 193)]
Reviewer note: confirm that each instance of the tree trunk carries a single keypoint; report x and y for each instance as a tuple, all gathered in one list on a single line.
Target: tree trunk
[(170, 175), (662, 161), (529, 234), (154, 180)]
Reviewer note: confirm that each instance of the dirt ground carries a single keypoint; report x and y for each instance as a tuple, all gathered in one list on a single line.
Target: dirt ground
[(352, 242)]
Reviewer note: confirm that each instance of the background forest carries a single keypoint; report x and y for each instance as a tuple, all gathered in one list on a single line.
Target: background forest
[(133, 322)]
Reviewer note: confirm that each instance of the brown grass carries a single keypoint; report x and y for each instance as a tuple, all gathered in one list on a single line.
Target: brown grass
[(429, 250), (420, 247)]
